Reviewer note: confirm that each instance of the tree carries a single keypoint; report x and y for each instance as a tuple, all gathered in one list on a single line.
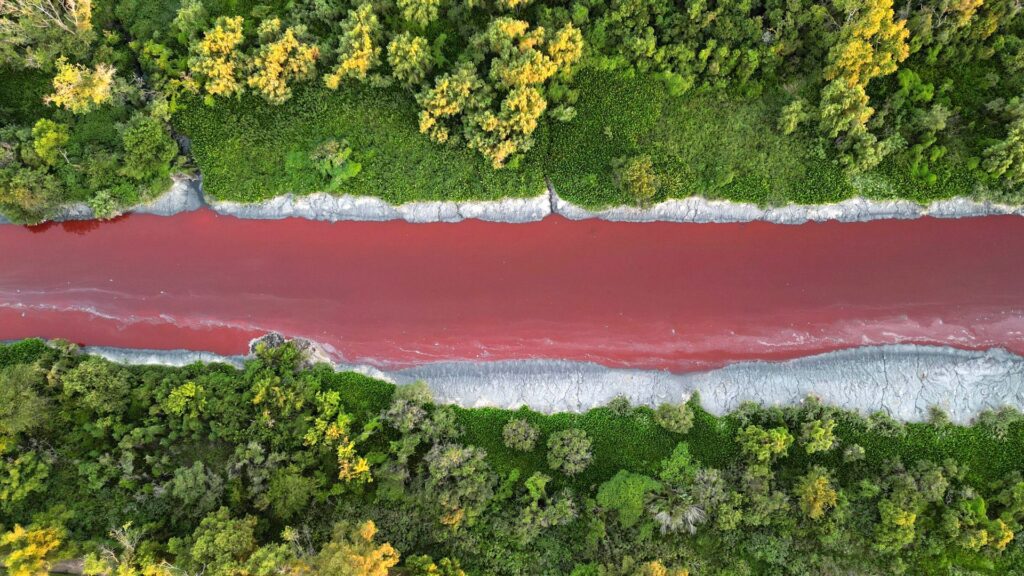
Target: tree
[(99, 385), (49, 139), (764, 445), (21, 407), (816, 494), (197, 488), (871, 43), (353, 552), (636, 177), (498, 96), (148, 149), (453, 94), (218, 59), (28, 550), (222, 544), (359, 48), (28, 194), (625, 494), (21, 476), (459, 482), (1005, 159), (426, 566), (34, 32), (818, 435), (410, 59), (569, 451), (419, 12), (280, 61), (79, 89), (518, 434)]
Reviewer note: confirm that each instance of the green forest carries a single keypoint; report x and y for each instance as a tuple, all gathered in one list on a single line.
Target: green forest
[(283, 468), (625, 102)]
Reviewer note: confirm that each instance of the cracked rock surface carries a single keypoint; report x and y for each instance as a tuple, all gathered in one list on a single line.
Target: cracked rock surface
[(903, 380), (186, 195)]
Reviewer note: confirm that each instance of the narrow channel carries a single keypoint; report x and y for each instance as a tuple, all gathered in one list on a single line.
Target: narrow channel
[(679, 297)]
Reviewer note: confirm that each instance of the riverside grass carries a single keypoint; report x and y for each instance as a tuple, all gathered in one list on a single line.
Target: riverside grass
[(701, 144)]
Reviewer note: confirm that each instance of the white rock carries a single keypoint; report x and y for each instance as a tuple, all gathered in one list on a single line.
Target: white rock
[(903, 380)]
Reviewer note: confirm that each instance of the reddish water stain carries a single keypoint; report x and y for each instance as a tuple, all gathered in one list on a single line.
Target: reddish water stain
[(673, 296)]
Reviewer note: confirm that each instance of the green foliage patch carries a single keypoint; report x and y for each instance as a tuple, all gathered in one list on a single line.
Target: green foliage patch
[(248, 151)]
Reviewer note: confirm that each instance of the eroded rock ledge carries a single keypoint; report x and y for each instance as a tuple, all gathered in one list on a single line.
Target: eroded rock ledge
[(186, 195), (903, 380)]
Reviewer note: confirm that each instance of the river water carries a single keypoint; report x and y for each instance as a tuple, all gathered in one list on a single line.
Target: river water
[(670, 296)]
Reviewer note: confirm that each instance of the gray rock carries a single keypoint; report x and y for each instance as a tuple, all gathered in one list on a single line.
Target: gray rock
[(185, 195)]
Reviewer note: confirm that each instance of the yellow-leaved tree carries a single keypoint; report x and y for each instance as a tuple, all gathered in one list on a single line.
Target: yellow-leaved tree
[(359, 51), (280, 61), (871, 43), (80, 89), (218, 59), (500, 115), (28, 550), (409, 58), (353, 552)]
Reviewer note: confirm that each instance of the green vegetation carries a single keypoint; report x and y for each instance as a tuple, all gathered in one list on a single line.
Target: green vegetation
[(282, 468), (622, 102), (379, 127)]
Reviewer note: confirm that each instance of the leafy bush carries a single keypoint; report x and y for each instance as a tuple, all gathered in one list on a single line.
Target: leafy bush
[(518, 434), (569, 451)]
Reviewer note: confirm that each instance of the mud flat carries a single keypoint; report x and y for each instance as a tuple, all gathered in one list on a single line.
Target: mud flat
[(186, 195), (903, 380)]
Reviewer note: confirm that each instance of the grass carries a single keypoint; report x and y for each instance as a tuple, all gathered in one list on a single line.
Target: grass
[(248, 151), (21, 96), (701, 144)]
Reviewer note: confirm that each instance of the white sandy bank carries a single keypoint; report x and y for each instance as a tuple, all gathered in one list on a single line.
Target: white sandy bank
[(903, 380), (186, 195)]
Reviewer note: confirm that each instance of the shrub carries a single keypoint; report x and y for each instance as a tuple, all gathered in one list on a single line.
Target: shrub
[(518, 434), (818, 435), (677, 418), (569, 451), (636, 177), (625, 494), (620, 406)]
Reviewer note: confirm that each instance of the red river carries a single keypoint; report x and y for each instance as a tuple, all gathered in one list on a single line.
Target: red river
[(656, 295)]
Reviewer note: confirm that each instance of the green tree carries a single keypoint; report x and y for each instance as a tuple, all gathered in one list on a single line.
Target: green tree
[(569, 451), (21, 407), (764, 445), (419, 12), (676, 418), (518, 434), (816, 493), (459, 482), (99, 385), (34, 32), (49, 139), (818, 435), (148, 149), (625, 494)]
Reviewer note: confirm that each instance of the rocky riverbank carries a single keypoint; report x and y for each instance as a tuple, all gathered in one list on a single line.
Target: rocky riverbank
[(186, 195), (903, 380)]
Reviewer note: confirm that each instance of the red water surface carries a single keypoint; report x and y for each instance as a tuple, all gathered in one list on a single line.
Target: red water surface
[(672, 296)]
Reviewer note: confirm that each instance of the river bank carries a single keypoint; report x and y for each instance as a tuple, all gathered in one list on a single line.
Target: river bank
[(186, 195), (905, 381)]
